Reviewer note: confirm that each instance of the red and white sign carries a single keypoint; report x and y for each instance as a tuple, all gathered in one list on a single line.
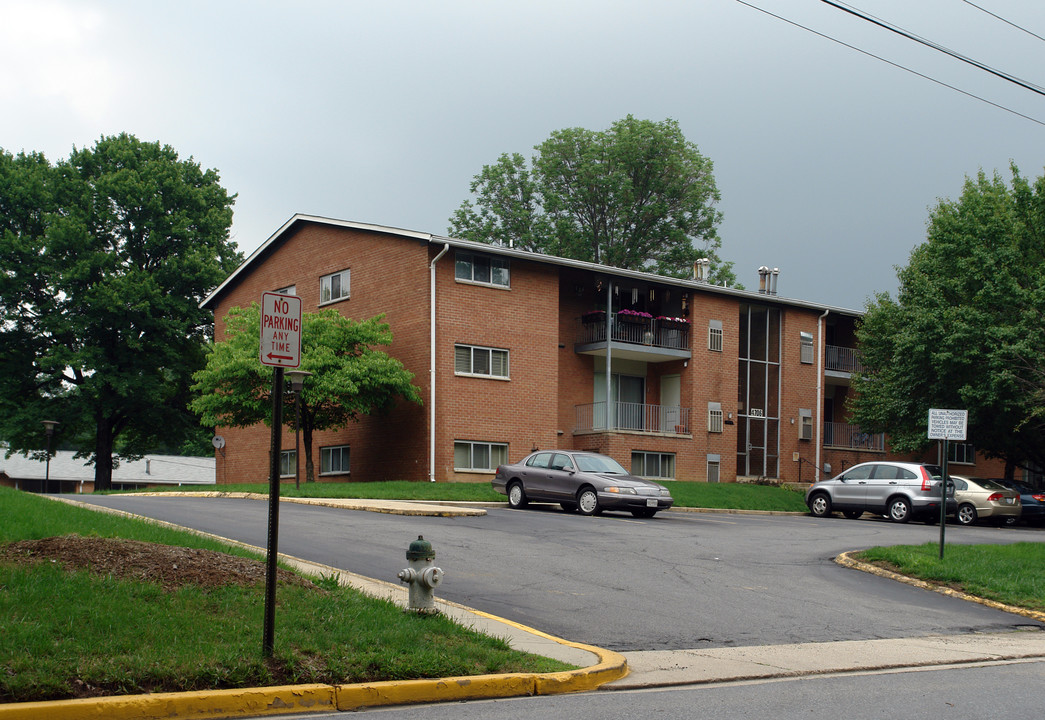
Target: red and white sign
[(280, 330)]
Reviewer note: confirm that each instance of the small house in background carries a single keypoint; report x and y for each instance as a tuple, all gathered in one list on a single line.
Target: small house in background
[(70, 475)]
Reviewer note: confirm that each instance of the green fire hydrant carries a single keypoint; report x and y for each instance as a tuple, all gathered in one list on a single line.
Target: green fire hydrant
[(422, 576)]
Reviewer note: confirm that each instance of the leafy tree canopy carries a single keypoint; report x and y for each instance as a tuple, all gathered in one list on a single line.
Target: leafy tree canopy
[(105, 258), (965, 330), (349, 377), (637, 196)]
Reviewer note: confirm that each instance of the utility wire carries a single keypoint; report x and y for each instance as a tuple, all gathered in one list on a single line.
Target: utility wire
[(935, 46), (1007, 22), (890, 62)]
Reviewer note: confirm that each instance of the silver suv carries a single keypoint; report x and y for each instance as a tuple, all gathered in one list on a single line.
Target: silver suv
[(898, 490)]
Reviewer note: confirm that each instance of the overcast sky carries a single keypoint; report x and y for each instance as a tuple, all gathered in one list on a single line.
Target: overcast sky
[(828, 160)]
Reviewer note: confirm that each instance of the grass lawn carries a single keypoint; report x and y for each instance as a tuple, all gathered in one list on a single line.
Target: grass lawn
[(723, 496), (70, 634), (1011, 574)]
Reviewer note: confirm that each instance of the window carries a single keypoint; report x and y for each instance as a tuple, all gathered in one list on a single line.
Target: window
[(806, 340), (961, 452), (714, 467), (334, 287), (288, 463), (653, 464), (480, 361), (334, 460), (479, 456), (805, 424), (482, 269), (715, 335), (714, 417), (289, 290)]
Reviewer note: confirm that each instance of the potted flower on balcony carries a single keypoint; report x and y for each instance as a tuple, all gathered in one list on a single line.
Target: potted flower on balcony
[(677, 323), (633, 316)]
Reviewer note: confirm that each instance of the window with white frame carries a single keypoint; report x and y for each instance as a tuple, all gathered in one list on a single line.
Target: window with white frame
[(482, 269), (962, 453), (714, 467), (472, 456), (335, 286), (714, 417), (288, 463), (715, 335), (334, 460), (480, 361), (288, 290), (653, 464), (805, 424), (806, 340)]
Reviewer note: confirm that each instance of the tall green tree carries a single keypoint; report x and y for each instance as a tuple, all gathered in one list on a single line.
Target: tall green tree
[(350, 378), (106, 257), (965, 330), (637, 196)]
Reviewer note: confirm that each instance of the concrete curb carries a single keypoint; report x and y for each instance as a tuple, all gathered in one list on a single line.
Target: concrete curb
[(846, 560), (282, 700)]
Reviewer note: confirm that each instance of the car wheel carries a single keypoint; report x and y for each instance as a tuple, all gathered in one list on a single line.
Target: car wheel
[(569, 507), (899, 510), (966, 514), (820, 505), (588, 501), (644, 513), (853, 514), (1009, 521), (516, 496)]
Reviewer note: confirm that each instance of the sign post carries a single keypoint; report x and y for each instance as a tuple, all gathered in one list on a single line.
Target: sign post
[(280, 348), (946, 425)]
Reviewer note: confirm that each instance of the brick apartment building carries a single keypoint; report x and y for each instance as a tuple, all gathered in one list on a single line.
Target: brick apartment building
[(515, 351)]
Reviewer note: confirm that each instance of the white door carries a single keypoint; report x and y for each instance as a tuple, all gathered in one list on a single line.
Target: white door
[(670, 400)]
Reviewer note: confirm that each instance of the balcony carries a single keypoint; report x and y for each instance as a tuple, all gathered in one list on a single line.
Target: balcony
[(851, 437), (842, 359), (634, 337), (633, 417)]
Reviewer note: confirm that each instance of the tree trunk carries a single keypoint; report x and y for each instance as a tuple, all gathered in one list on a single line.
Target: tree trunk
[(103, 454)]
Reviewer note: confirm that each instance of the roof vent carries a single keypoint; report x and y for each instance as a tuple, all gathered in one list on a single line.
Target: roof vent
[(701, 270)]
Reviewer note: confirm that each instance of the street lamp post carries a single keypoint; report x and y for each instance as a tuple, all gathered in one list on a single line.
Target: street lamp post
[(297, 382), (49, 429)]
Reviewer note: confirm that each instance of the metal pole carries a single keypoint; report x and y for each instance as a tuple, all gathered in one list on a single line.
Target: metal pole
[(273, 529), (943, 498), (297, 439)]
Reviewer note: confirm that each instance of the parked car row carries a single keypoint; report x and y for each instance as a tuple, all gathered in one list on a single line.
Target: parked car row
[(902, 491)]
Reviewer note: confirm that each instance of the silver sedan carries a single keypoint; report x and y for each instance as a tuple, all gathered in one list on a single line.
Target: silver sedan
[(579, 481)]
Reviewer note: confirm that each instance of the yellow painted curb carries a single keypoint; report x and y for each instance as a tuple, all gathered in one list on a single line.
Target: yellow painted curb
[(846, 561), (202, 705)]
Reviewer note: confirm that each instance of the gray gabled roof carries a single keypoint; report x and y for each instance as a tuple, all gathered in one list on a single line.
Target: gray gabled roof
[(693, 285)]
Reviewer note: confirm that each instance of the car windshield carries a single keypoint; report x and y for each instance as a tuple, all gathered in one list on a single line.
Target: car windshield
[(599, 464), (934, 471), (991, 485)]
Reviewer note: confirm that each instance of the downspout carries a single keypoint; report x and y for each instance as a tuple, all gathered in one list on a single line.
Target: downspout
[(431, 368), (819, 390), (611, 408)]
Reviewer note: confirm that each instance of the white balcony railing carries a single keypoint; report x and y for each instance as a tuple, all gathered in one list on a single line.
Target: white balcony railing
[(844, 435), (638, 330), (642, 417), (843, 359)]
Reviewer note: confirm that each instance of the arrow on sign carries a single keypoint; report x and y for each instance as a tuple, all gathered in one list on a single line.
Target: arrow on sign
[(271, 356)]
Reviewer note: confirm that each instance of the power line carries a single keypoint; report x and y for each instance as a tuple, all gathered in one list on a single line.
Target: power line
[(890, 62), (935, 46), (1007, 22)]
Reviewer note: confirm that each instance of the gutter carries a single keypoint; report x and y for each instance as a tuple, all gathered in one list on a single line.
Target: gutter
[(431, 369), (819, 390)]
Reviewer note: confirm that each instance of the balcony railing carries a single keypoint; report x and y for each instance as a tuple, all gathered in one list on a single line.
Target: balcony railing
[(655, 332), (843, 359), (844, 435), (641, 417)]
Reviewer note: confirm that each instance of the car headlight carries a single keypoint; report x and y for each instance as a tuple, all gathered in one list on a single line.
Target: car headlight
[(664, 492), (620, 490)]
